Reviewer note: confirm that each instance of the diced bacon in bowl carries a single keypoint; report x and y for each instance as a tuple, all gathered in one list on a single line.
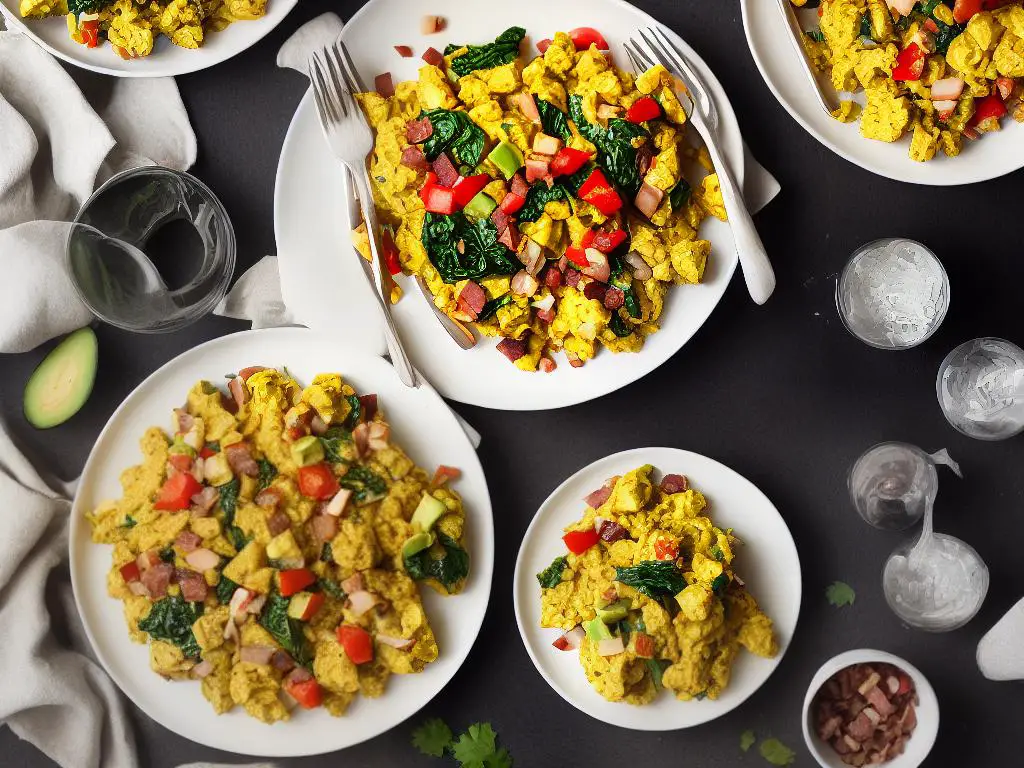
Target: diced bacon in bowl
[(537, 168), (193, 586), (324, 528), (256, 654), (524, 284), (528, 106), (206, 498)]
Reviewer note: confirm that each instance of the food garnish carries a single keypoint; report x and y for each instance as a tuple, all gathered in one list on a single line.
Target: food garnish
[(839, 593), (476, 748), (63, 381), (777, 753)]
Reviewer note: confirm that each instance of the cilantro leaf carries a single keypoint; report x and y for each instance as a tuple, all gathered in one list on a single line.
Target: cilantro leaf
[(433, 737), (839, 593), (475, 746), (500, 759), (747, 739), (777, 753)]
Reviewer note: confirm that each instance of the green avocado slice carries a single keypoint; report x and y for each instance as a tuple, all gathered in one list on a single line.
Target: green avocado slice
[(62, 383)]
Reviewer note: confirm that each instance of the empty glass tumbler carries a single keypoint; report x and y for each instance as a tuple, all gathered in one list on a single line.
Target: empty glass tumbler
[(980, 387)]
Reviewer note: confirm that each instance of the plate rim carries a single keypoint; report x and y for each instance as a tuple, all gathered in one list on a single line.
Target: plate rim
[(937, 181), (76, 533), (17, 24), (728, 256), (519, 574)]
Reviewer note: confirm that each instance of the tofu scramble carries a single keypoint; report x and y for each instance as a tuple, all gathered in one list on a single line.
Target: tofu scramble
[(271, 547), (544, 201), (937, 73), (132, 26), (648, 595)]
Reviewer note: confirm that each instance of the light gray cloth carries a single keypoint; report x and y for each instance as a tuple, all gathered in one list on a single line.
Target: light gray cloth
[(55, 148), (1001, 652)]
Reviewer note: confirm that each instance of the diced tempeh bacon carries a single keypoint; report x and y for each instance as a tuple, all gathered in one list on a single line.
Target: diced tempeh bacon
[(433, 56), (384, 85), (157, 578), (513, 349), (187, 541), (413, 157), (240, 459)]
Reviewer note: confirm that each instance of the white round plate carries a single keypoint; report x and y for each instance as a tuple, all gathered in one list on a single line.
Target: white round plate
[(311, 222), (768, 36), (421, 423), (768, 562), (166, 60)]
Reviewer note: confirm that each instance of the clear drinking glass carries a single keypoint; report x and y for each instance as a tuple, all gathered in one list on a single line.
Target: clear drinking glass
[(980, 387), (892, 485), (893, 293), (152, 250)]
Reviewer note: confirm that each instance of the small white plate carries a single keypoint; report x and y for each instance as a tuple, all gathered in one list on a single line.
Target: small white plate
[(921, 741), (166, 60), (422, 424), (323, 284), (996, 154), (768, 562)]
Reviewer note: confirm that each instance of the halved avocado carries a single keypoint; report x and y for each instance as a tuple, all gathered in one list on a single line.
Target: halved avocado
[(62, 383)]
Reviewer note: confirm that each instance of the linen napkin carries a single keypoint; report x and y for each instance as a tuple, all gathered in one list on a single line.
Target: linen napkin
[(258, 295), (55, 148)]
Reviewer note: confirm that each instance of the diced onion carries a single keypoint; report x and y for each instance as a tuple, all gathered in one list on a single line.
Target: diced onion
[(610, 647), (362, 601), (202, 559), (545, 304), (138, 588), (256, 654), (202, 669), (401, 643), (377, 436), (574, 637), (524, 283), (256, 604), (317, 425), (336, 506), (641, 269)]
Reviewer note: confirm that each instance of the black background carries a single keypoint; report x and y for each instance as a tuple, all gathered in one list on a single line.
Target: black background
[(781, 393)]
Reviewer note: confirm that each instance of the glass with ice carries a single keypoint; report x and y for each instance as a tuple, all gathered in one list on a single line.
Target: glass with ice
[(980, 387), (893, 293)]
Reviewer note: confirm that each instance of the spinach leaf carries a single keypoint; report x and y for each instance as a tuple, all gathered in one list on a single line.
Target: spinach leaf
[(129, 522), (455, 132), (719, 584), (552, 575), (653, 578), (657, 667), (619, 326), (364, 483), (78, 7), (331, 588), (267, 473), (332, 441), (167, 554), (482, 255), (171, 620), (553, 120), (947, 34), (229, 499), (616, 154), (448, 570), (928, 7), (355, 412), (632, 303), (503, 50), (538, 196), (816, 35), (492, 306), (238, 538), (225, 589), (327, 553), (214, 446), (679, 194), (717, 553), (865, 27), (285, 630)]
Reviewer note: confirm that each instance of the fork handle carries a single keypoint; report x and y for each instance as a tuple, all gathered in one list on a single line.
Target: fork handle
[(757, 269), (396, 351)]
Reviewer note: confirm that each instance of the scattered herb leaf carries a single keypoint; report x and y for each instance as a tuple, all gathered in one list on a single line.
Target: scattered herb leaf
[(129, 522), (267, 473), (839, 593), (433, 737), (777, 753), (720, 582), (364, 483), (476, 745), (492, 306), (747, 739)]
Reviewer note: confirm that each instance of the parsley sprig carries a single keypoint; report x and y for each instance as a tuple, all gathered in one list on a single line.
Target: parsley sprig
[(476, 748)]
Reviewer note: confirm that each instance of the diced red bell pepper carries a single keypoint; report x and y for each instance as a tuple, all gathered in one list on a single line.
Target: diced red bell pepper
[(90, 32), (444, 474), (666, 549), (177, 492), (577, 256), (644, 645), (584, 37), (568, 161), (606, 242), (180, 461), (579, 542), (511, 203), (561, 643), (295, 580), (597, 191), (987, 108), (643, 109), (357, 643), (130, 572), (390, 252), (437, 199), (469, 187), (318, 482), (543, 45), (307, 693), (909, 63), (964, 10), (905, 685), (207, 452)]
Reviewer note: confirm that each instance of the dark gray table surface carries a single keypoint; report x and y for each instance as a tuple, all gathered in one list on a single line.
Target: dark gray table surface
[(781, 393)]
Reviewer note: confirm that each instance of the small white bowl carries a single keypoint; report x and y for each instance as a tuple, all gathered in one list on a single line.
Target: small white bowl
[(920, 742)]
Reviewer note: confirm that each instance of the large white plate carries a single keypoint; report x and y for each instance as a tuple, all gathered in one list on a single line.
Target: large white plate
[(767, 561), (996, 154), (321, 281), (421, 423), (167, 59)]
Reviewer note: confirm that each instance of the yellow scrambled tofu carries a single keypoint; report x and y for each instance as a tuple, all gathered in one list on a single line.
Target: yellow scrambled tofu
[(132, 26), (272, 543), (937, 75), (648, 593), (585, 208)]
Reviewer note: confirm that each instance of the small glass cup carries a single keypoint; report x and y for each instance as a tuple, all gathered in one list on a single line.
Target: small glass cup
[(893, 293), (892, 485), (152, 250), (980, 387)]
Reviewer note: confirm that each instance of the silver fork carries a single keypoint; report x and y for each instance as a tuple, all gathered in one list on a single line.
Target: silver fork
[(349, 136), (703, 114), (826, 101)]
